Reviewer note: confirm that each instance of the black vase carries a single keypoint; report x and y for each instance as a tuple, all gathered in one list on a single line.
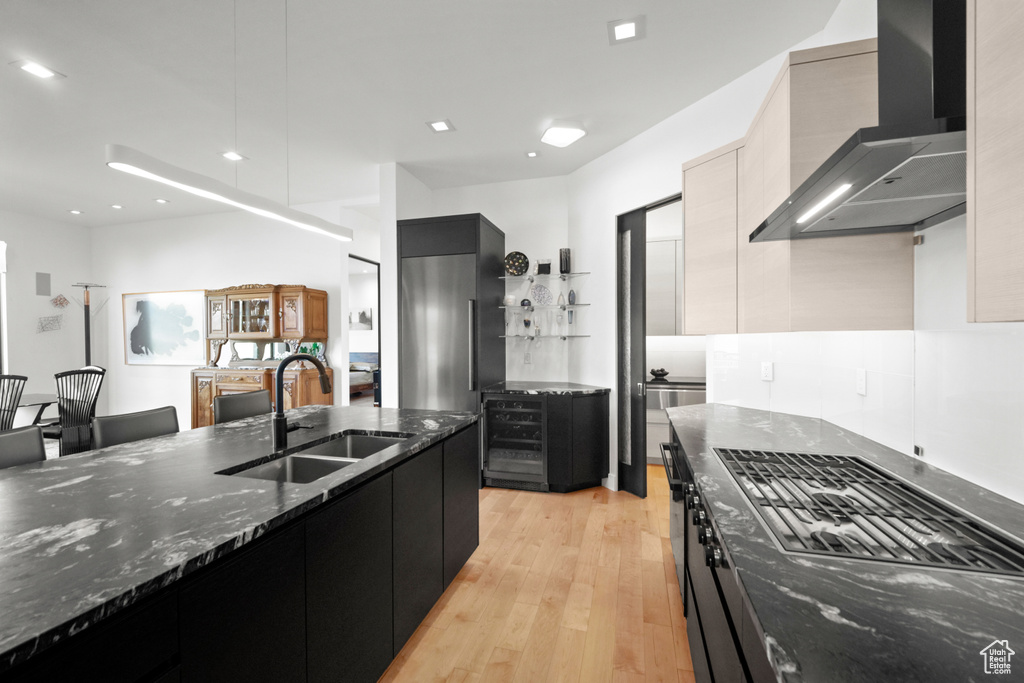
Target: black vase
[(564, 261)]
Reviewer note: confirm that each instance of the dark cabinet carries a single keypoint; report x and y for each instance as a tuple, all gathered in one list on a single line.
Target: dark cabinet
[(244, 618), (138, 644), (418, 540), (461, 500), (554, 442), (330, 596), (349, 621)]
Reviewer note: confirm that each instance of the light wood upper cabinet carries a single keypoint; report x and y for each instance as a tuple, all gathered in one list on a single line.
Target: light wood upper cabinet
[(819, 99), (995, 160), (709, 242)]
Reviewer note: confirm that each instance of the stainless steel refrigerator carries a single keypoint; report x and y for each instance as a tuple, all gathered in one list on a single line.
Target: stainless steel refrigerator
[(451, 323)]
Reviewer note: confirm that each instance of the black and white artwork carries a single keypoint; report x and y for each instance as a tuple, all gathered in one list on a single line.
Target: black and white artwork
[(163, 328), (361, 319)]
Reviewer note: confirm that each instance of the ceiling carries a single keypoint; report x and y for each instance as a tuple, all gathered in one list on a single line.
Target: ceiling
[(317, 93)]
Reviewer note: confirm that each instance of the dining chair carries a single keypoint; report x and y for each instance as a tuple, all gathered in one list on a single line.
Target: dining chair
[(111, 430), (237, 406), (77, 392), (11, 387), (22, 445)]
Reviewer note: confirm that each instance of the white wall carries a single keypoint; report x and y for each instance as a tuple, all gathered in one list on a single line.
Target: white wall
[(641, 171), (969, 393), (362, 295), (62, 250), (206, 252), (533, 216)]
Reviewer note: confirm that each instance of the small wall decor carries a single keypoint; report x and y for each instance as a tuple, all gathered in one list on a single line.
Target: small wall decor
[(516, 263), (361, 319), (49, 323), (164, 328), (59, 301)]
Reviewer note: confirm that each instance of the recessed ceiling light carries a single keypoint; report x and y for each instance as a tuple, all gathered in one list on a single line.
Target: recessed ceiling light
[(563, 133), (37, 69), (116, 206), (531, 154), (232, 156), (75, 211), (160, 201), (625, 30), (441, 126)]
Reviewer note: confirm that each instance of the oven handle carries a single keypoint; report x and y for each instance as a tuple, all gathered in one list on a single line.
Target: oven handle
[(673, 484)]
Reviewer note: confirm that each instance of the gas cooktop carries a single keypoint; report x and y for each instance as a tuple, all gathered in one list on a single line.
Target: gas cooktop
[(844, 505)]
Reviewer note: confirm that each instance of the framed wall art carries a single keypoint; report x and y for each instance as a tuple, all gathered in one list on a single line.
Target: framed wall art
[(164, 328)]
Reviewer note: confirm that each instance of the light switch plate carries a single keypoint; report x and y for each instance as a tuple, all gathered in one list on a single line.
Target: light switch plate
[(767, 370), (526, 358), (862, 382)]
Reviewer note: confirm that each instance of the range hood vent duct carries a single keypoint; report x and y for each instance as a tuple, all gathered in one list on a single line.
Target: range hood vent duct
[(910, 171)]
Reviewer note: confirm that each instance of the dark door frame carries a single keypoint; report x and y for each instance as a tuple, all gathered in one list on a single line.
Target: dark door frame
[(632, 367), (377, 266)]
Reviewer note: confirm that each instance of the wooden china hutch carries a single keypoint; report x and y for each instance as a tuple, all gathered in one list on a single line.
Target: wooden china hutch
[(259, 325)]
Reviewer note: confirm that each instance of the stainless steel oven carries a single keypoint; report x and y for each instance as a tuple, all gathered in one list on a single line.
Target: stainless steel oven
[(659, 397)]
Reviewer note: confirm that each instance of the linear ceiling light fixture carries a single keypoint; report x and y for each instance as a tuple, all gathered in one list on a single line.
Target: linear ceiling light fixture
[(37, 69), (626, 30), (135, 162), (563, 133)]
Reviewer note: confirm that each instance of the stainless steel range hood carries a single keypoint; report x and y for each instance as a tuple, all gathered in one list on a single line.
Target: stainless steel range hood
[(910, 171)]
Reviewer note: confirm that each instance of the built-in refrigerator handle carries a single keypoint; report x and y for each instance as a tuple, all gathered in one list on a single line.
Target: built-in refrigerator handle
[(472, 351)]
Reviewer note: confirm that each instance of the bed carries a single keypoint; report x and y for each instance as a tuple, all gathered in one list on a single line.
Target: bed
[(361, 367)]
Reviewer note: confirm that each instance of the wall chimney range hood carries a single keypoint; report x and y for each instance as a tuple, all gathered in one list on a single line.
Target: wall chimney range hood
[(910, 171)]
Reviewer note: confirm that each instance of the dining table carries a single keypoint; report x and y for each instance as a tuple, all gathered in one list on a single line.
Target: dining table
[(39, 401)]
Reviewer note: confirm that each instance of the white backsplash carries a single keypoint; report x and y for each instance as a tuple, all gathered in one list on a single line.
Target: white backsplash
[(954, 388), (681, 356)]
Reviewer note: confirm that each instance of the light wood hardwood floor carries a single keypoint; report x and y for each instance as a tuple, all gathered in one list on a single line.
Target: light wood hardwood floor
[(564, 587)]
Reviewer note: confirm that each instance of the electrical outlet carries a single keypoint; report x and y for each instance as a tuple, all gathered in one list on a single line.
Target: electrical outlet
[(862, 382), (526, 358), (919, 451), (767, 371)]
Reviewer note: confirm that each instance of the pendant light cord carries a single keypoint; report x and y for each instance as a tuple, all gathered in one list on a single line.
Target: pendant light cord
[(234, 47), (287, 131)]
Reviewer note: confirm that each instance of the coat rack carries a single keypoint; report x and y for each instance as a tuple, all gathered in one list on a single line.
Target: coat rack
[(85, 303)]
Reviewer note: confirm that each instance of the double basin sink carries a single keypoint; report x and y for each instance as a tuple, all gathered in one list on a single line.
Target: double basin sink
[(322, 459)]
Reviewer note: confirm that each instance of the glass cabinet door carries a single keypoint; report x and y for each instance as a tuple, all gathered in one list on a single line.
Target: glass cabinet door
[(252, 317), (514, 427)]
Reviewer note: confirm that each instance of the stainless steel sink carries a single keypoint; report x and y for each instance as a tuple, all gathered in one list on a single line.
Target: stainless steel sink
[(322, 459), (354, 446), (296, 469)]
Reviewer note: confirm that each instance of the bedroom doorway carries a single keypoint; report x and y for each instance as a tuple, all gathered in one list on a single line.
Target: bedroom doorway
[(364, 332)]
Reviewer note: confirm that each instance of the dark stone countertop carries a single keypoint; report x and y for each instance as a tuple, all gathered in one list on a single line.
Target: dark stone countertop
[(677, 382), (86, 535), (834, 619), (563, 388)]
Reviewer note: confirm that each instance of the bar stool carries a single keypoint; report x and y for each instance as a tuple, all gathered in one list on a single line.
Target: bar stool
[(237, 406), (111, 430), (21, 446)]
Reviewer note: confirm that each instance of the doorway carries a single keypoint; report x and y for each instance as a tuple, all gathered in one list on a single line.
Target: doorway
[(364, 332), (631, 312)]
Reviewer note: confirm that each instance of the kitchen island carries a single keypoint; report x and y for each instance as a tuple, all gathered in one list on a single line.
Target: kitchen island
[(816, 617), (146, 560)]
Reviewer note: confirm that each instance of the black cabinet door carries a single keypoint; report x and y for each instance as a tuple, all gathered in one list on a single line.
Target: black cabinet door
[(559, 442), (461, 499), (418, 540), (589, 439), (245, 618), (348, 586), (136, 644)]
